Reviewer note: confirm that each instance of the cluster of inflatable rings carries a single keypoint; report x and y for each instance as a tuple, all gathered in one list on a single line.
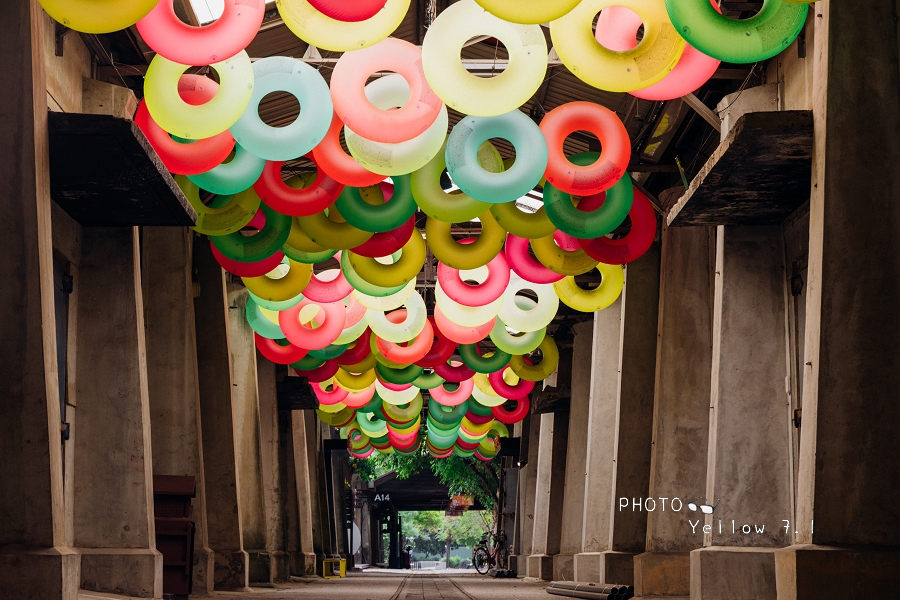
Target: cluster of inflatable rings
[(466, 92), (296, 201), (330, 156), (543, 369), (348, 82), (401, 157), (617, 30), (236, 83), (482, 292), (497, 188), (758, 38), (526, 266), (285, 74), (378, 218), (609, 290), (338, 35), (602, 172), (596, 223), (659, 51), (532, 12), (167, 35)]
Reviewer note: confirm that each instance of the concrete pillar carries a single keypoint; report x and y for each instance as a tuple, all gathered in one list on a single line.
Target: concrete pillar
[(303, 564), (750, 439), (549, 494), (113, 496), (680, 412), (848, 528), (246, 434), (620, 422), (35, 561), (223, 502), (271, 471), (524, 535), (167, 264), (576, 455)]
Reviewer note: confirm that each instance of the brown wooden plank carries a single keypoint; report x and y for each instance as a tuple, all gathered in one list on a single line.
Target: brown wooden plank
[(758, 175)]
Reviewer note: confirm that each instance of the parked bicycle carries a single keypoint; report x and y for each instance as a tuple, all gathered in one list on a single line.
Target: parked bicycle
[(486, 556)]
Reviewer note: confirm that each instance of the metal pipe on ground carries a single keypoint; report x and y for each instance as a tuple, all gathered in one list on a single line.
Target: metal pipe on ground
[(591, 590)]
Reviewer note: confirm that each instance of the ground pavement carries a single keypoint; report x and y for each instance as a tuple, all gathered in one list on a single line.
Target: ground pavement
[(388, 586)]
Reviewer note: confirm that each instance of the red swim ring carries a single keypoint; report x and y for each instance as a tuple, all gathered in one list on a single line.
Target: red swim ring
[(351, 12), (278, 354), (230, 34), (631, 247), (247, 269), (331, 157), (511, 417), (302, 202)]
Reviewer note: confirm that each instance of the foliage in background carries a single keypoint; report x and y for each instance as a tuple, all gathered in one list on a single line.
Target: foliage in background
[(467, 476), (427, 531)]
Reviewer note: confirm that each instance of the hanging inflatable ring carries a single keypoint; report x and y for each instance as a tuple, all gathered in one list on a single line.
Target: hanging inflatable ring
[(383, 217), (403, 327), (454, 371), (207, 120), (327, 33), (531, 156), (167, 35), (474, 253), (328, 286), (491, 286), (516, 345), (523, 405), (511, 392), (455, 398), (327, 231), (415, 351), (358, 10), (348, 83), (564, 262), (589, 301), (459, 333), (233, 216), (657, 54), (467, 93), (286, 288), (596, 223), (635, 244), (442, 348), (604, 170), (528, 11), (264, 244), (465, 316), (387, 242), (400, 273), (302, 249), (543, 369), (276, 352), (405, 375), (402, 157), (489, 363), (260, 324), (295, 77), (523, 224), (526, 266), (428, 381), (296, 202), (247, 269), (330, 157), (90, 16), (299, 331), (354, 382), (521, 313), (234, 176), (758, 38)]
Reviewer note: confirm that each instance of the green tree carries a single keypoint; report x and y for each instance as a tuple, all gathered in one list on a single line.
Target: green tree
[(427, 531)]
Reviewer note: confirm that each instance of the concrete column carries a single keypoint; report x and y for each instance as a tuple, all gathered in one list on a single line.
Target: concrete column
[(848, 528), (303, 564), (246, 434), (113, 497), (750, 439), (680, 412), (549, 493), (167, 263), (223, 502), (271, 471), (523, 543), (620, 421), (576, 455), (35, 562)]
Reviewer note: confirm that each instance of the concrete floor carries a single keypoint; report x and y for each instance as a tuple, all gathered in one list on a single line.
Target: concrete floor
[(384, 586)]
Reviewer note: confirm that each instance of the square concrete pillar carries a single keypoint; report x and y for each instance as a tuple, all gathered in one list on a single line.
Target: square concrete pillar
[(217, 411), (35, 561), (524, 535), (166, 270), (549, 494), (245, 392), (681, 410), (271, 472), (113, 478), (848, 533), (303, 563), (750, 432), (621, 417)]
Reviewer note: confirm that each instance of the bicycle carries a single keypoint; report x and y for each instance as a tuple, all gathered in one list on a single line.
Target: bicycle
[(485, 557)]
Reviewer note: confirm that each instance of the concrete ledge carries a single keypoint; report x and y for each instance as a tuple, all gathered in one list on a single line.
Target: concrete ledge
[(563, 567), (46, 574), (127, 571), (231, 570), (540, 566), (736, 573), (605, 567), (302, 564), (811, 572), (662, 574), (102, 596)]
